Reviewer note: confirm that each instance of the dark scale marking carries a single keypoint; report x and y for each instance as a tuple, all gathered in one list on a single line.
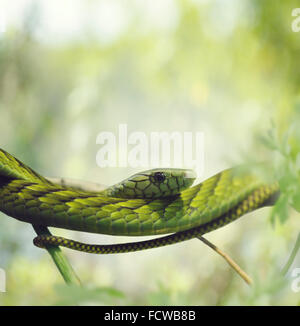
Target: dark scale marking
[(178, 186)]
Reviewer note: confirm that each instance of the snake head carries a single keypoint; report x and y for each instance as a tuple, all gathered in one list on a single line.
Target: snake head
[(155, 183)]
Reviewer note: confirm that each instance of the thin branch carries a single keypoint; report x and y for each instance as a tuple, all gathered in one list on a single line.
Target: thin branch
[(292, 256), (232, 263), (61, 262)]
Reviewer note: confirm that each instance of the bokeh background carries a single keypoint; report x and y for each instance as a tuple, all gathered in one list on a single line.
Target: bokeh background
[(71, 69)]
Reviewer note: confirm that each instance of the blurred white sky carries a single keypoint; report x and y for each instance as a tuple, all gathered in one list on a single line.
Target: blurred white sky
[(60, 21)]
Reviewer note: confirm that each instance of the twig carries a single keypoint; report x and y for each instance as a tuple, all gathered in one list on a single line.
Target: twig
[(292, 256), (61, 262), (233, 264)]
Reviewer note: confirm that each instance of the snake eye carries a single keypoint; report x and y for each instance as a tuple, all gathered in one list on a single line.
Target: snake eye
[(159, 177)]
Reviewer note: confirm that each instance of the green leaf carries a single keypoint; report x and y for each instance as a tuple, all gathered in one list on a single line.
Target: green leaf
[(280, 209), (295, 202)]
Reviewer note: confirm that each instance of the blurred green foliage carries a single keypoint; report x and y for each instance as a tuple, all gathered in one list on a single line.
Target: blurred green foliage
[(226, 68)]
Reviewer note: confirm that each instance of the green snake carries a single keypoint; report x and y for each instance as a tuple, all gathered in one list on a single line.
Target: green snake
[(154, 202)]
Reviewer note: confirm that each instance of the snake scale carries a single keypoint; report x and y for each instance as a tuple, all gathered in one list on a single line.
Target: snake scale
[(154, 202)]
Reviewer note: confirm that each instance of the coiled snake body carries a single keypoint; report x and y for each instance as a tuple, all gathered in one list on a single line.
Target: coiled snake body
[(154, 202)]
